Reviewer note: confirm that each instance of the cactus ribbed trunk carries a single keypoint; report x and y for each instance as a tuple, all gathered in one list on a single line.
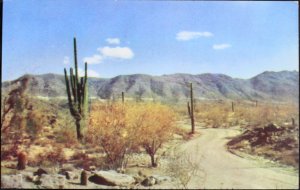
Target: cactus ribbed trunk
[(77, 91), (123, 97), (78, 129), (192, 109), (189, 109), (232, 106)]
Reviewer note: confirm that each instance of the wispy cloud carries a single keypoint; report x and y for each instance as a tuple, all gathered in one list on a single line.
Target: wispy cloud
[(221, 46), (115, 41), (66, 60), (95, 59), (90, 72), (190, 35), (117, 52)]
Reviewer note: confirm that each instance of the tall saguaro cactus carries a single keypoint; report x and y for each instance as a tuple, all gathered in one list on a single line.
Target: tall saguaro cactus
[(191, 109), (77, 94)]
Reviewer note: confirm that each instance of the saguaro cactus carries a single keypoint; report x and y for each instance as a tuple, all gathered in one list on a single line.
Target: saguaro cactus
[(123, 97), (77, 94), (83, 178), (232, 106), (191, 109), (22, 160)]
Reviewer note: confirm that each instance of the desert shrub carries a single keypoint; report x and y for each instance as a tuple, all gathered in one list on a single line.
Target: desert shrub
[(35, 122), (50, 158), (216, 115), (185, 165), (85, 162), (123, 128), (66, 131), (185, 133), (67, 136), (268, 113), (13, 115), (156, 128), (181, 109), (108, 128), (9, 151), (219, 113), (79, 156)]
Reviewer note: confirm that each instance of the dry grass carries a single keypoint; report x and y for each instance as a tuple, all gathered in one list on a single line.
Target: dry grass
[(268, 113), (220, 114), (50, 158)]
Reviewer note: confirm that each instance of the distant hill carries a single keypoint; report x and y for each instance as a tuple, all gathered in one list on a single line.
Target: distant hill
[(276, 86)]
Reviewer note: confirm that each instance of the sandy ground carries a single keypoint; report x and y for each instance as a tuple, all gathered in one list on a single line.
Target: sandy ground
[(226, 170)]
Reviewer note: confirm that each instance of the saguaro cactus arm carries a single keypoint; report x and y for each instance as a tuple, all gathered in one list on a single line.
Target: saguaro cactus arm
[(68, 88), (85, 90)]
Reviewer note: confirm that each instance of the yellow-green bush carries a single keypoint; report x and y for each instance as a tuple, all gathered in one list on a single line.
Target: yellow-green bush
[(122, 128)]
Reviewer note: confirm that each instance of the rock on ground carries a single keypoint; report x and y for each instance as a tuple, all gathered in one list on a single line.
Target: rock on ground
[(149, 181), (15, 181), (53, 181), (111, 178)]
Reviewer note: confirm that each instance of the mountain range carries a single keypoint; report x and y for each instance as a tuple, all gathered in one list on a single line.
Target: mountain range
[(280, 86)]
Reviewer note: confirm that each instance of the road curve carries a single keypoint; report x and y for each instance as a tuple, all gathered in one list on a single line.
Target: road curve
[(226, 170)]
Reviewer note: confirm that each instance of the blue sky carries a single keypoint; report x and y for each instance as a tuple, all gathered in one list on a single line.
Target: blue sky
[(240, 39)]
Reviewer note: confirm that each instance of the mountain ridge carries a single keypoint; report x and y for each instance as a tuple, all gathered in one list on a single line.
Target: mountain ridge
[(279, 86)]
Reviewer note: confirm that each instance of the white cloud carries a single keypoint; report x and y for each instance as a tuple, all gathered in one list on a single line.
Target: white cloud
[(66, 60), (189, 35), (117, 52), (221, 46), (95, 59), (90, 72), (113, 41)]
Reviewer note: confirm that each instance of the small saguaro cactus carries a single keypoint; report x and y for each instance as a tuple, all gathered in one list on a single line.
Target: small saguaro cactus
[(232, 106), (22, 161), (83, 178), (191, 109), (77, 92), (256, 103), (123, 97), (293, 122)]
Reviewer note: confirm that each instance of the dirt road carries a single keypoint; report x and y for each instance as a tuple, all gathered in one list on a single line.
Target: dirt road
[(226, 170)]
